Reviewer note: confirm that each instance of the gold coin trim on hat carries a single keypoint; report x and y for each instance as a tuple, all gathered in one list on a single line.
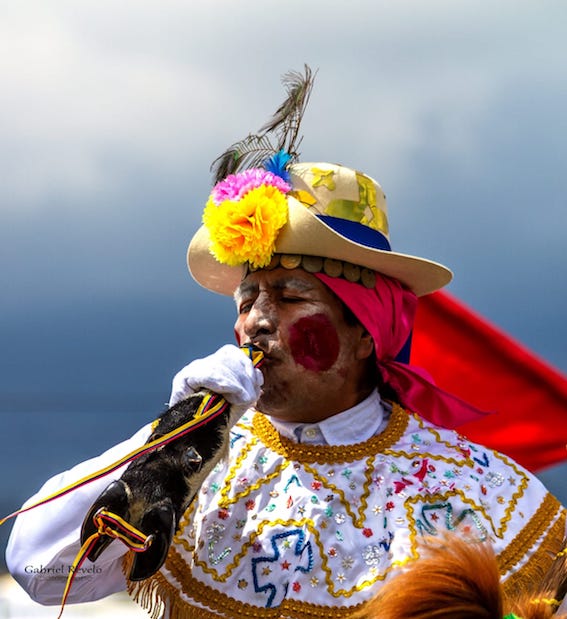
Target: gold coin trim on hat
[(316, 264)]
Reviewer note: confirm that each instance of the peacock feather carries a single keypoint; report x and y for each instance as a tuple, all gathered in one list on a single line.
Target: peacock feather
[(277, 140)]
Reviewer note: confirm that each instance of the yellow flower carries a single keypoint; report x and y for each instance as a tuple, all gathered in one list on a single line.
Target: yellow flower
[(246, 230)]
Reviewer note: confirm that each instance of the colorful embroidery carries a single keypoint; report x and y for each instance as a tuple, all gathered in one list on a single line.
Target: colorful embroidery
[(305, 530), (302, 551)]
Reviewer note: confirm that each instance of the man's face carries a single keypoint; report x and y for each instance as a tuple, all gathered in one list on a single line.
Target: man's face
[(315, 362)]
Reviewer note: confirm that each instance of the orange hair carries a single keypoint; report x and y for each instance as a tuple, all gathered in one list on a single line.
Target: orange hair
[(459, 579)]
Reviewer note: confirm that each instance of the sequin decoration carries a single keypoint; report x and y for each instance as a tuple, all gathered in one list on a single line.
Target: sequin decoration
[(494, 479), (372, 555), (214, 534)]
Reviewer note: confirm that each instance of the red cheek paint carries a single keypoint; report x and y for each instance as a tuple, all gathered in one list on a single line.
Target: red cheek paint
[(314, 342)]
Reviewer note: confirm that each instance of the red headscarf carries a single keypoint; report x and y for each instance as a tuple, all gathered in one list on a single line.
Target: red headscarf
[(387, 312)]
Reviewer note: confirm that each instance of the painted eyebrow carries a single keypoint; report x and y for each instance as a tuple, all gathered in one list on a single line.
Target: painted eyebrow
[(285, 283)]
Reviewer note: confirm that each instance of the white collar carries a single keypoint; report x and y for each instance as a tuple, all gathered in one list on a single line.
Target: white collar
[(355, 425)]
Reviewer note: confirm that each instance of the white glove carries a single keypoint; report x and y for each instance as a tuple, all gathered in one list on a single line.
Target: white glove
[(228, 372)]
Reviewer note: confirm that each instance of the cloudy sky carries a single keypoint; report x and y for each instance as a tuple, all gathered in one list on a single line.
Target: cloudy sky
[(111, 113)]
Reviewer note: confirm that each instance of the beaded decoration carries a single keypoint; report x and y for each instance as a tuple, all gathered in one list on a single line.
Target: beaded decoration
[(316, 264)]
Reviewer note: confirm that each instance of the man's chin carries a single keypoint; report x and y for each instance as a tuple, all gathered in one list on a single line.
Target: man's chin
[(268, 405), (263, 406)]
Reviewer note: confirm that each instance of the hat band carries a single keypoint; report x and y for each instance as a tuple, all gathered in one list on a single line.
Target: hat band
[(317, 264), (357, 232)]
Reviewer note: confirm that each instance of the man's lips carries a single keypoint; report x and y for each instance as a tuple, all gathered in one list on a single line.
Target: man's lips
[(269, 350)]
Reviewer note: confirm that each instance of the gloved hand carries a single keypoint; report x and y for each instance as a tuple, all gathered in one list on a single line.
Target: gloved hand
[(228, 372)]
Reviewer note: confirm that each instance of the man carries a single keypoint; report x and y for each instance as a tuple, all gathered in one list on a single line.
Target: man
[(347, 457)]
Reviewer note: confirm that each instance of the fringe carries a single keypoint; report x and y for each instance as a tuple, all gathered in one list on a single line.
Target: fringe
[(146, 593), (156, 594)]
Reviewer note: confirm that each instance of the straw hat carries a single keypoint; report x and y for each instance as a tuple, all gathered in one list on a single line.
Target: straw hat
[(330, 218)]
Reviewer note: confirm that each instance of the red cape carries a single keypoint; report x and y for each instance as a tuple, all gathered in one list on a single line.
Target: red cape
[(479, 363)]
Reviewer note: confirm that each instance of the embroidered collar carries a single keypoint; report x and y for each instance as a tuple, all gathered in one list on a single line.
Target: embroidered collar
[(355, 425), (269, 436)]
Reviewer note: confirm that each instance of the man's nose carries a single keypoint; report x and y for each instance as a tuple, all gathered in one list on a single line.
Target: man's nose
[(261, 319)]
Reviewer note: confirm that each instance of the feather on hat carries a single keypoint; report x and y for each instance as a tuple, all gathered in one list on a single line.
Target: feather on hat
[(277, 206)]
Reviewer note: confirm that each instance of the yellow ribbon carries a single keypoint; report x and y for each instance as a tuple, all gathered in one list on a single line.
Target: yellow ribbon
[(113, 526)]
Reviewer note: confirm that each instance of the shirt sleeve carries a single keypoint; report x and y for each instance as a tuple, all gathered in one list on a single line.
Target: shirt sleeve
[(45, 540)]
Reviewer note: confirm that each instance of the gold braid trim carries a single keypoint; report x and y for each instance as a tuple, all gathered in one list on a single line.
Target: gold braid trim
[(331, 454), (157, 593), (180, 570), (452, 524), (528, 536), (369, 469), (235, 468), (438, 439), (225, 501), (531, 574)]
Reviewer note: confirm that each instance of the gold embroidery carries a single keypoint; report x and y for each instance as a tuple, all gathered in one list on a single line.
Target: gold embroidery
[(153, 593), (179, 537), (451, 447), (225, 501), (203, 594), (234, 469), (434, 498), (253, 536), (522, 486), (538, 565), (330, 454), (529, 535), (179, 568), (357, 522), (437, 435), (412, 455), (517, 495), (260, 429), (158, 592)]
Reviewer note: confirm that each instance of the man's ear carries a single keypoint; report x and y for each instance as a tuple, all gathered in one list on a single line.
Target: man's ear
[(365, 345)]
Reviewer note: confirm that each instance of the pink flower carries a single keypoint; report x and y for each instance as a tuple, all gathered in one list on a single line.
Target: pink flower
[(234, 186)]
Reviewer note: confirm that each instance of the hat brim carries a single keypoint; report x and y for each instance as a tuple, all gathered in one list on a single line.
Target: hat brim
[(307, 234)]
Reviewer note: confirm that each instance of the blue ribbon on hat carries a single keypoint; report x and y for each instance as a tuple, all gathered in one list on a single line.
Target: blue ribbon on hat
[(357, 232)]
